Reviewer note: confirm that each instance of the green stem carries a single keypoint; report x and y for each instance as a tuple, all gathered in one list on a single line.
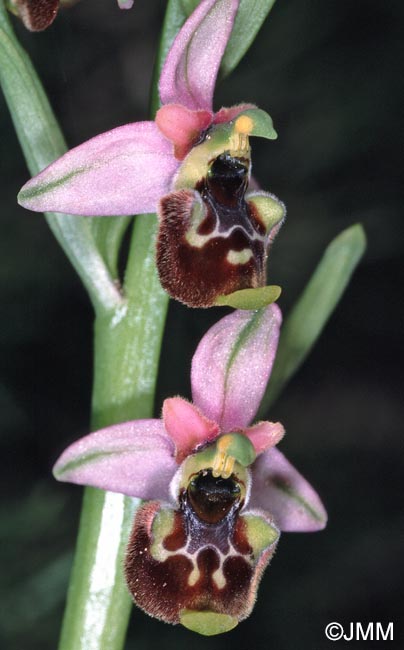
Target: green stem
[(127, 346), (128, 333), (98, 603), (127, 350)]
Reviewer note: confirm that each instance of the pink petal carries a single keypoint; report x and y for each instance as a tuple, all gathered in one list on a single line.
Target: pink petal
[(135, 458), (265, 435), (190, 70), (278, 488), (182, 126), (187, 427), (232, 364), (123, 171), (228, 114)]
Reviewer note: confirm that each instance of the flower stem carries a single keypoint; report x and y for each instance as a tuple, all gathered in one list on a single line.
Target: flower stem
[(127, 346), (128, 333), (127, 349)]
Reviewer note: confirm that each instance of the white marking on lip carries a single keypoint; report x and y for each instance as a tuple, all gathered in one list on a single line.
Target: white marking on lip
[(239, 257), (219, 578), (194, 576)]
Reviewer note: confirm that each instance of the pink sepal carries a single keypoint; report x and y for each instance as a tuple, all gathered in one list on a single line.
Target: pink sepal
[(123, 171), (134, 458), (232, 364), (280, 489), (187, 427), (190, 69)]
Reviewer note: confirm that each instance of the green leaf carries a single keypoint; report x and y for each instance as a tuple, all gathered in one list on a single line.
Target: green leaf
[(250, 298), (42, 142), (314, 307), (250, 16), (189, 6), (108, 233)]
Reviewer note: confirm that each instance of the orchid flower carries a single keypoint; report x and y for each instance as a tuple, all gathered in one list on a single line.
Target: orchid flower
[(191, 165), (37, 15), (217, 491)]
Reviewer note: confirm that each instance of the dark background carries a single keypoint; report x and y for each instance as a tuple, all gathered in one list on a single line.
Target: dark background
[(330, 74)]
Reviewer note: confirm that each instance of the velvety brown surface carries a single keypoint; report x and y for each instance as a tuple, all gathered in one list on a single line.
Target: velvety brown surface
[(197, 276), (162, 588), (37, 15)]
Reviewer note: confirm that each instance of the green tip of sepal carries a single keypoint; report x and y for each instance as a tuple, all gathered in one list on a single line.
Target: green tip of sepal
[(207, 623), (238, 446), (250, 298), (262, 125)]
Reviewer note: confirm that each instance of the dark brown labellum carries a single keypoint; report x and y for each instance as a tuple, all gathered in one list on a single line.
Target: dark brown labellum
[(212, 498), (176, 561), (227, 180), (211, 241)]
